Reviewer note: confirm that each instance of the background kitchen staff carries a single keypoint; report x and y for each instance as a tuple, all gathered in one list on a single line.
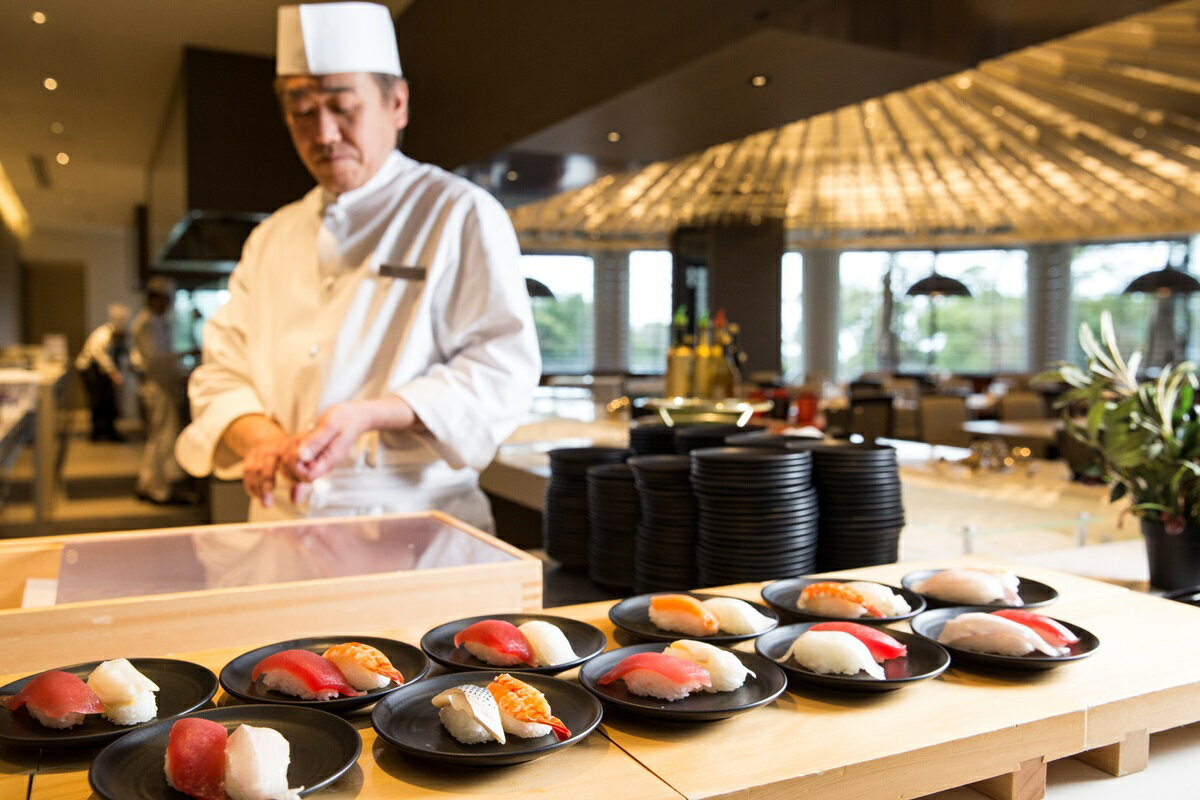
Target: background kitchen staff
[(378, 345)]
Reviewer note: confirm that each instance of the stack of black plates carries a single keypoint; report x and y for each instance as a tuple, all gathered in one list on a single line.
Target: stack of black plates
[(665, 548), (613, 509), (565, 517), (708, 434), (651, 439), (758, 514), (861, 507), (773, 441)]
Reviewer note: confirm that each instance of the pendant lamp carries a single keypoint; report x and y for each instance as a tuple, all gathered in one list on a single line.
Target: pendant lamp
[(935, 285), (1163, 345)]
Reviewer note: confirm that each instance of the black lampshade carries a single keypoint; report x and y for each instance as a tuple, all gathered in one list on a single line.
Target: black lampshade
[(1166, 280), (936, 284), (538, 289)]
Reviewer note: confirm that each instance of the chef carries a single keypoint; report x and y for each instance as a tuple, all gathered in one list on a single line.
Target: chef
[(377, 345)]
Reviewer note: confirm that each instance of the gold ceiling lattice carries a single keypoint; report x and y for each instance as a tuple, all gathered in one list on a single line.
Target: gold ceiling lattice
[(1093, 136)]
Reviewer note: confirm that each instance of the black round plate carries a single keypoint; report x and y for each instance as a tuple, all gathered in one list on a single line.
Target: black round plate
[(782, 596), (925, 659), (408, 721), (1032, 593), (632, 615), (235, 676), (929, 625), (183, 687), (768, 683), (322, 748), (586, 640)]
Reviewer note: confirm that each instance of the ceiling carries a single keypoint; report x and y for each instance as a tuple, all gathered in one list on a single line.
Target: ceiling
[(495, 83)]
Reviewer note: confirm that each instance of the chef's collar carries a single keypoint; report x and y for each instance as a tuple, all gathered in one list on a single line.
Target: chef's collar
[(347, 200)]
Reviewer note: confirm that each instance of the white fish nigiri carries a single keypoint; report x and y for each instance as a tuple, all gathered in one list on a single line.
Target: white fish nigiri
[(256, 763), (727, 670), (987, 633), (737, 616), (974, 587), (127, 695), (549, 643), (470, 713), (881, 597), (833, 652)]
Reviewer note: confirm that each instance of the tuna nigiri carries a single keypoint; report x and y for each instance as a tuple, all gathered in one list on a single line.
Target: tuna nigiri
[(363, 666), (303, 674), (496, 642), (881, 646), (1052, 631), (195, 760), (658, 675), (56, 699), (834, 599), (684, 614), (987, 633), (524, 711)]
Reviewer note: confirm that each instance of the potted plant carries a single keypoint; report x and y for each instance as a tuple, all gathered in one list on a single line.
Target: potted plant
[(1146, 433)]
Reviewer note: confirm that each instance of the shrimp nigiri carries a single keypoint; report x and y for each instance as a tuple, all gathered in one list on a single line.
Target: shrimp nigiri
[(658, 675), (684, 614), (364, 666), (56, 699), (881, 646), (496, 642), (524, 711), (833, 599), (304, 674)]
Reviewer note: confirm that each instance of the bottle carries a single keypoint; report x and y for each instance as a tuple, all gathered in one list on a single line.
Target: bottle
[(703, 364), (721, 375), (679, 357)]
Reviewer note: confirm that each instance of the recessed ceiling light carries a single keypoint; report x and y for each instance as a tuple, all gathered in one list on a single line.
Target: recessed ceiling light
[(511, 175), (50, 84), (38, 18), (614, 136), (63, 159), (759, 81), (964, 82), (56, 127)]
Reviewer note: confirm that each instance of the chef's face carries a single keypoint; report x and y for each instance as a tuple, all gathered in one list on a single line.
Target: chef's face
[(343, 126)]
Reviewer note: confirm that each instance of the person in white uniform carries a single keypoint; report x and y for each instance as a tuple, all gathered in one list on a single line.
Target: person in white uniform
[(99, 364), (378, 343), (156, 362)]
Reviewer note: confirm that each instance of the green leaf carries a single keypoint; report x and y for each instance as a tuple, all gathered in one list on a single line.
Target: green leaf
[(1119, 490)]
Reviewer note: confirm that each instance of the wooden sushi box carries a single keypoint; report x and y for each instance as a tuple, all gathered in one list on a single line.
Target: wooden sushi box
[(185, 589)]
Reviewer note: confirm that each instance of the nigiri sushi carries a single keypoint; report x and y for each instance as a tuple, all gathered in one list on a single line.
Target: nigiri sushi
[(684, 614), (1053, 632), (56, 699), (471, 714), (737, 616), (549, 643), (126, 694), (835, 599), (658, 675), (256, 764), (881, 598), (974, 587), (304, 674), (195, 759), (724, 668), (524, 711), (987, 633), (496, 642), (363, 666), (881, 646), (833, 652)]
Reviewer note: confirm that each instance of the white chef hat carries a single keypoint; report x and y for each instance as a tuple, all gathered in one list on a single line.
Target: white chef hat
[(326, 38)]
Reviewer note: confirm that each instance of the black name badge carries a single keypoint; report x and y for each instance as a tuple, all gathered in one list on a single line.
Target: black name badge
[(398, 271)]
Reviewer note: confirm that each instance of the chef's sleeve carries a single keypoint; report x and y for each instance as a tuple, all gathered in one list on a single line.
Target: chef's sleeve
[(477, 396)]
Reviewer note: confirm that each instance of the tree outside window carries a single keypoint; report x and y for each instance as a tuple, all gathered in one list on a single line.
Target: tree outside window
[(649, 306), (565, 322)]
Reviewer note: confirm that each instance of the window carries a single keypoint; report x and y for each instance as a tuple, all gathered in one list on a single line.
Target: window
[(565, 321), (649, 310), (792, 317)]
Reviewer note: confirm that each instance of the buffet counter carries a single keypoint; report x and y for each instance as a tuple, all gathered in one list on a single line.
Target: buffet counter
[(46, 386), (994, 730)]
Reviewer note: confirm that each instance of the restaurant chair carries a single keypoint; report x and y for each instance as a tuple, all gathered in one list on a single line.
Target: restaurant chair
[(940, 418), (1016, 406), (871, 417)]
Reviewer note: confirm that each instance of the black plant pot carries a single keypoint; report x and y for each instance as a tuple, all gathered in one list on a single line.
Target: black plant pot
[(1174, 557)]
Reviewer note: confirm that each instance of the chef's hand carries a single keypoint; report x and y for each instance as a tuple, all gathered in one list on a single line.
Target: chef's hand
[(316, 452), (262, 444)]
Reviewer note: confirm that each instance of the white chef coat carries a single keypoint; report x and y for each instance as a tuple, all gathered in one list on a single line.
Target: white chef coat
[(409, 285), (98, 349)]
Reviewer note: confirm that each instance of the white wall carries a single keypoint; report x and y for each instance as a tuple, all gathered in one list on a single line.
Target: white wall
[(109, 258)]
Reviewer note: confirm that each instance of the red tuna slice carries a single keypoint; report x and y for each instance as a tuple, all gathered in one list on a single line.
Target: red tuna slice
[(677, 670), (316, 673), (881, 645), (498, 635), (56, 694), (195, 762), (1052, 631)]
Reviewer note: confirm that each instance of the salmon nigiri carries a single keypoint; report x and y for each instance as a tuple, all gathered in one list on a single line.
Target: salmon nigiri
[(684, 614), (195, 761), (56, 699), (881, 646), (303, 674), (658, 675), (1052, 631), (496, 642)]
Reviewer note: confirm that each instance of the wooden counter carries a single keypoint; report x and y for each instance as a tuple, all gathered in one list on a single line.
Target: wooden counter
[(958, 729)]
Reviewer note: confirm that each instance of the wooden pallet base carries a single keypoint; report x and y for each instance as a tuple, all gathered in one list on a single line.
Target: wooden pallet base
[(1027, 782), (1131, 754)]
